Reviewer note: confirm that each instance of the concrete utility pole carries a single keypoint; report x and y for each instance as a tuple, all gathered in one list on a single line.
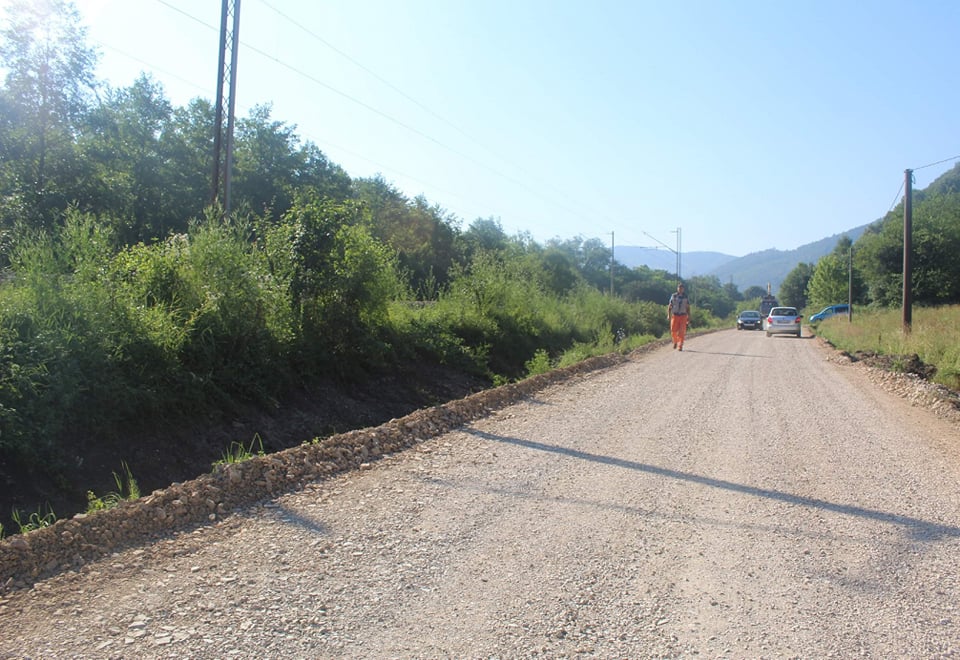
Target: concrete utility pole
[(226, 77), (907, 249)]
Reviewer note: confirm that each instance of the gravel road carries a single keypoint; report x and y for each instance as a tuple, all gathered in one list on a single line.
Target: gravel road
[(748, 497)]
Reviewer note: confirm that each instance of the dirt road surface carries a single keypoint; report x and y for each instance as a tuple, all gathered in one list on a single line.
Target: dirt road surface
[(744, 498)]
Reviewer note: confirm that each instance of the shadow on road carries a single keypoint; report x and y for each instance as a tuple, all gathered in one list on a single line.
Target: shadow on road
[(687, 349), (919, 530), (287, 515)]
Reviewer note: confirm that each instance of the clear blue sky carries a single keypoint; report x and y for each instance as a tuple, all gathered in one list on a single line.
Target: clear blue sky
[(748, 124)]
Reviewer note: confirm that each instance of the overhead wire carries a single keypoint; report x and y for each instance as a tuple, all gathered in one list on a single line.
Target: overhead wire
[(406, 126), (166, 72), (299, 25), (896, 199), (939, 162)]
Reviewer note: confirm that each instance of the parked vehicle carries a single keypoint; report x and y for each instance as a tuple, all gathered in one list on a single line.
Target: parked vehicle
[(767, 303), (782, 321), (749, 320), (827, 312)]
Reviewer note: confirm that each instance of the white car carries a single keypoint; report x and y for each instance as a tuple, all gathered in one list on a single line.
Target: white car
[(782, 321)]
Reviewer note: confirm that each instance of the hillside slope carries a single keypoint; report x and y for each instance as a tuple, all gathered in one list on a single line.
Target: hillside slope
[(772, 266), (755, 269)]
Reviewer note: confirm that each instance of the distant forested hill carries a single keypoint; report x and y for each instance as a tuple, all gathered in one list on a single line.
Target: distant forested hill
[(772, 266), (693, 263), (755, 269)]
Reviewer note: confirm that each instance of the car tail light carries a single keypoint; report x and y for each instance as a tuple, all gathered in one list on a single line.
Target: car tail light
[(797, 320)]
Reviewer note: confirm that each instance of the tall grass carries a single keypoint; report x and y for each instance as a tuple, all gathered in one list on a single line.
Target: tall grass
[(934, 336), (127, 489)]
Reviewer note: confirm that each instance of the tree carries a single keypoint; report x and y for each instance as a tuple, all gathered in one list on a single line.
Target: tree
[(707, 293), (936, 242), (649, 285), (271, 166), (829, 282), (339, 277), (126, 160), (48, 89), (732, 292), (879, 257), (188, 171), (592, 258), (793, 289), (265, 163), (558, 271), (485, 234), (754, 291), (422, 235)]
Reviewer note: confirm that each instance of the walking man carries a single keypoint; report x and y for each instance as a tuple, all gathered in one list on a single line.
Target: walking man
[(678, 311)]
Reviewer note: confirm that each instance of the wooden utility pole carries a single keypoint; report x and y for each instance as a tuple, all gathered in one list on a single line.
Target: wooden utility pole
[(907, 249), (226, 77)]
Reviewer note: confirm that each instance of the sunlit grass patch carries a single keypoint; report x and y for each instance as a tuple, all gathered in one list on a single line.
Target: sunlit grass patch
[(127, 489), (934, 337), (35, 521), (238, 453)]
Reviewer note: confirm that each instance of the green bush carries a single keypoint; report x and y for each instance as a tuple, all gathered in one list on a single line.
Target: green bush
[(339, 281), (538, 364)]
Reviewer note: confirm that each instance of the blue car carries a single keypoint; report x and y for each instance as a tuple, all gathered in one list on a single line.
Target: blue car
[(827, 312)]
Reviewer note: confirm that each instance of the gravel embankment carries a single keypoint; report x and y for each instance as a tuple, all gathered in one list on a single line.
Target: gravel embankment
[(749, 497)]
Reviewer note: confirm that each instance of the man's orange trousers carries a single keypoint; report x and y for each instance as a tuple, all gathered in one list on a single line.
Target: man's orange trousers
[(678, 328)]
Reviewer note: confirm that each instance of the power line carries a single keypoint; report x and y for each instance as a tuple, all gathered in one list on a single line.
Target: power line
[(896, 198), (939, 162), (582, 215), (166, 72), (312, 78), (387, 83), (381, 79), (192, 18)]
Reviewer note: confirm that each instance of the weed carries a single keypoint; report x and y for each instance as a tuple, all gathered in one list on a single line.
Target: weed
[(35, 521), (110, 500), (237, 453)]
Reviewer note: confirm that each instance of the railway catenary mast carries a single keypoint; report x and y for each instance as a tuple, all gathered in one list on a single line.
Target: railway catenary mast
[(226, 96)]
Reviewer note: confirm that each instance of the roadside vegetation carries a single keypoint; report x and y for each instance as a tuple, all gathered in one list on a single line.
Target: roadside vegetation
[(934, 337), (129, 301)]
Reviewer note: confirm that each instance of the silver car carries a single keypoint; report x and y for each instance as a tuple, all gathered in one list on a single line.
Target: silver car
[(782, 321)]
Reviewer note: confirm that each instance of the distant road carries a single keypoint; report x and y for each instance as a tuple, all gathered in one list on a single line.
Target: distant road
[(744, 498)]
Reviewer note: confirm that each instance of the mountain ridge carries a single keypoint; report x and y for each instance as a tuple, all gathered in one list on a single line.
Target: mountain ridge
[(767, 267)]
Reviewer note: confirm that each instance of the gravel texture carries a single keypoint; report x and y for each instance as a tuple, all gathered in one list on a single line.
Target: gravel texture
[(748, 497)]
